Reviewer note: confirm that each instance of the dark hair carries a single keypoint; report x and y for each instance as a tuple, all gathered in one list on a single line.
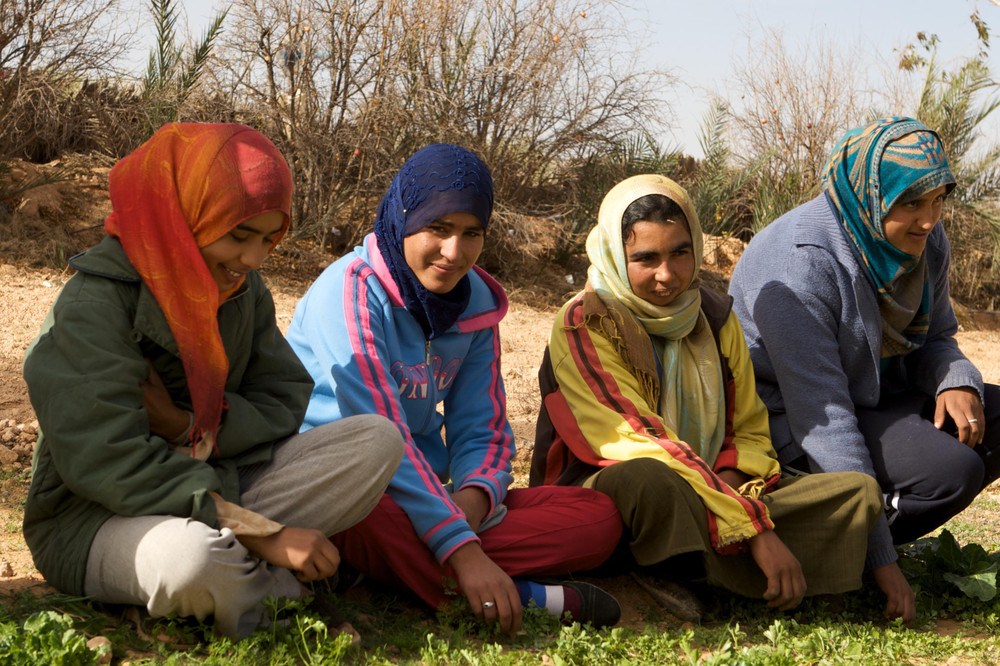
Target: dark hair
[(651, 208)]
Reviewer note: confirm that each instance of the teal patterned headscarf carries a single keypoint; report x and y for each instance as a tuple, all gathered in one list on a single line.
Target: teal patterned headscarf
[(871, 169)]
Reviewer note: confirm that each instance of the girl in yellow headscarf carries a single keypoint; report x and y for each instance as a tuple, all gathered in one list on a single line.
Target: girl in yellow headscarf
[(649, 397), (169, 473)]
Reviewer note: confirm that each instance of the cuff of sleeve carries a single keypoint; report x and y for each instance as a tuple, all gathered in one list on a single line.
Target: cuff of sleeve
[(727, 459), (182, 438), (447, 552), (491, 489), (963, 383), (881, 551)]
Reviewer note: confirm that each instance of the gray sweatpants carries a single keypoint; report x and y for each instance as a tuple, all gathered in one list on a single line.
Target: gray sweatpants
[(328, 478)]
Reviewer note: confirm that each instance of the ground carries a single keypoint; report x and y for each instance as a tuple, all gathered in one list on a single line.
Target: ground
[(26, 294)]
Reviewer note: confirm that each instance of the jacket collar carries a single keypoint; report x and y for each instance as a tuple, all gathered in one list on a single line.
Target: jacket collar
[(107, 259)]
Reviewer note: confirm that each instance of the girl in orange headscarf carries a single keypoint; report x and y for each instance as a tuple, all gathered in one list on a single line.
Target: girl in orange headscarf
[(169, 473)]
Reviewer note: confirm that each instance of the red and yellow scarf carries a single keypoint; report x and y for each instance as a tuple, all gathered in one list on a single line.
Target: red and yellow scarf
[(183, 189)]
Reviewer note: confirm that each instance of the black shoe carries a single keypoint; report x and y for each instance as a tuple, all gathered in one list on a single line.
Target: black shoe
[(597, 607)]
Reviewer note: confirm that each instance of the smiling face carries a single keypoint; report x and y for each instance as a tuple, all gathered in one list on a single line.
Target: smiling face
[(242, 249), (660, 260), (442, 253), (908, 225)]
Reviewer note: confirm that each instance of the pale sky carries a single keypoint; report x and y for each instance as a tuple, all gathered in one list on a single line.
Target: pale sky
[(699, 40)]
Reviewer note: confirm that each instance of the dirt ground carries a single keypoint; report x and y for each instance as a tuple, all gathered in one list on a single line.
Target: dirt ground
[(56, 222), (26, 294)]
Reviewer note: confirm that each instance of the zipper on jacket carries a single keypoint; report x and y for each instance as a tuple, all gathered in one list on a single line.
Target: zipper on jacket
[(427, 347)]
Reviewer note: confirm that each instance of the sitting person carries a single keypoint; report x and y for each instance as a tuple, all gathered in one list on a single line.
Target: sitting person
[(407, 323), (846, 309), (648, 397), (169, 472)]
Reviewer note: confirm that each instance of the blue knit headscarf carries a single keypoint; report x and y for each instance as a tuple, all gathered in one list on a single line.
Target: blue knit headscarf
[(438, 180), (871, 168)]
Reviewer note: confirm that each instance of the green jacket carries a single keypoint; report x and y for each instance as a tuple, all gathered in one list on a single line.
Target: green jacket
[(97, 457)]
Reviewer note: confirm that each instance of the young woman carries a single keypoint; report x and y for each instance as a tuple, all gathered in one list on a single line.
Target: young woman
[(845, 307), (169, 473), (406, 327), (649, 397)]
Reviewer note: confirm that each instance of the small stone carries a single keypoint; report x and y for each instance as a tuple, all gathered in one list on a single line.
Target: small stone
[(7, 457), (9, 434), (102, 645), (30, 428), (6, 571)]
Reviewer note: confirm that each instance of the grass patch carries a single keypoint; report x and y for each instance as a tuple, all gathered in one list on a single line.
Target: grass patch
[(840, 630), (849, 629)]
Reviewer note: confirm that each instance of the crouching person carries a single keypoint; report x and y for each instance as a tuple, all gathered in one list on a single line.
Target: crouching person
[(406, 326), (649, 397), (169, 472)]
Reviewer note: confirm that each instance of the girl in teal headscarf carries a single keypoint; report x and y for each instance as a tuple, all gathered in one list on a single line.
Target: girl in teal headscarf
[(845, 306)]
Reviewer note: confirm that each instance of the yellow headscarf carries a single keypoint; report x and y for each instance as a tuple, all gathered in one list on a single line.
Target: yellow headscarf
[(692, 394)]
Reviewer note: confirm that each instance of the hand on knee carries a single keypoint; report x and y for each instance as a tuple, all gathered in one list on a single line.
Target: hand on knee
[(307, 552)]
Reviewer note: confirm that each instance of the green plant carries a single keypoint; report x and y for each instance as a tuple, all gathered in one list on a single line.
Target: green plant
[(948, 567), (170, 75), (46, 639)]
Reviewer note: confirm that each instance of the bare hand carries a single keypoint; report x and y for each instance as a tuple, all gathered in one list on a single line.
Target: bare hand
[(900, 601), (786, 585), (966, 410), (307, 552), (733, 477), (474, 503), (482, 581), (166, 419)]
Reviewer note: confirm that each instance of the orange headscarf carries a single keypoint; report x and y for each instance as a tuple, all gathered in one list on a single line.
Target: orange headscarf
[(183, 189)]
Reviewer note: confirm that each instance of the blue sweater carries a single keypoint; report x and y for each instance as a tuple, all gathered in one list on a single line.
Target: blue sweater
[(811, 320), (368, 355)]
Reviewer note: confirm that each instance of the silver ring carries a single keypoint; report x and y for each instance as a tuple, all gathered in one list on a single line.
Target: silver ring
[(489, 604), (973, 420)]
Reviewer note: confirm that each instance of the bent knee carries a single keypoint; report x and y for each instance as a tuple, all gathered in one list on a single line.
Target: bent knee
[(639, 477), (387, 441), (183, 555)]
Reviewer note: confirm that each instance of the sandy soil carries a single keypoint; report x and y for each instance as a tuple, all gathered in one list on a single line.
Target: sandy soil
[(26, 295)]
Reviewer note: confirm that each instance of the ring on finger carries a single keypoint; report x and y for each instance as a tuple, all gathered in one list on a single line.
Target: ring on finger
[(973, 420), (489, 604)]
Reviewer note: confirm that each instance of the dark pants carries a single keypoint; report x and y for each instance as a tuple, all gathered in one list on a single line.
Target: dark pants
[(926, 474)]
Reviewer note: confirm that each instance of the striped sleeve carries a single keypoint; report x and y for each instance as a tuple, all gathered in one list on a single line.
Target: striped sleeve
[(351, 364), (748, 444), (610, 411)]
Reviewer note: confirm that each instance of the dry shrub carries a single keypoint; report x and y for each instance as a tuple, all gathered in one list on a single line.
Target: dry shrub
[(47, 224), (795, 103), (351, 88), (47, 47)]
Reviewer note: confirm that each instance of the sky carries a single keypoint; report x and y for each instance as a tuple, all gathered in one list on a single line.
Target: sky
[(698, 41)]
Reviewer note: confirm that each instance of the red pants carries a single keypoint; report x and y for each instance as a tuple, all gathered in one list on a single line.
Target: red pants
[(548, 531)]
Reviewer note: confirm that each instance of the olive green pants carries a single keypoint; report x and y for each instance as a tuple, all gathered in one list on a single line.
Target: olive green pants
[(824, 519)]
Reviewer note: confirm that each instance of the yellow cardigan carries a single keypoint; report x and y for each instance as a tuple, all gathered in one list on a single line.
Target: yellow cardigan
[(616, 422)]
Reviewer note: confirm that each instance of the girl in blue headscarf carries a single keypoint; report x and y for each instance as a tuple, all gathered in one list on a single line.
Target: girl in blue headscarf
[(406, 326), (845, 307)]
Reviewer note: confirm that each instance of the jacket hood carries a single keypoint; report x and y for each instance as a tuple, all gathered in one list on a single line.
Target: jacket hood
[(487, 304), (106, 259)]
